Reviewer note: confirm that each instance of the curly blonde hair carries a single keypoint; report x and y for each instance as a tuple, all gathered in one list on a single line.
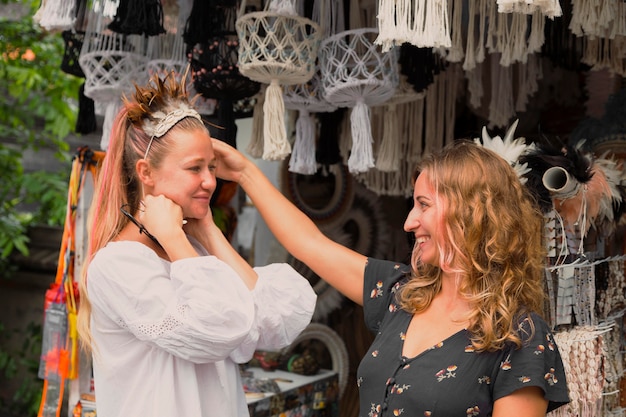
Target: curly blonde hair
[(492, 238), (117, 183)]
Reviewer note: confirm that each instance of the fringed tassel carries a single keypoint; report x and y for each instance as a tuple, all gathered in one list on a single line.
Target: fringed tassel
[(275, 146), (255, 147), (86, 118), (56, 15), (361, 154), (111, 110), (303, 156), (388, 158), (455, 53), (421, 23)]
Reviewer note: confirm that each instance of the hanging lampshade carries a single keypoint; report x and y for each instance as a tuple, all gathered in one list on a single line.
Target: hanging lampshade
[(277, 47), (357, 74)]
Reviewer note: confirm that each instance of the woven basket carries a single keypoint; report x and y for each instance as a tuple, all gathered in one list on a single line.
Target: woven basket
[(112, 63), (277, 49), (357, 74)]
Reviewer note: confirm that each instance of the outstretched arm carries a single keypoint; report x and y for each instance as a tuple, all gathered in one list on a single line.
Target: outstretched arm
[(338, 265)]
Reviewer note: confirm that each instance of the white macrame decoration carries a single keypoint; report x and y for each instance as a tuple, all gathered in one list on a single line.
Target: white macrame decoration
[(309, 98), (582, 350), (276, 47), (112, 63), (423, 23), (390, 150), (548, 8), (356, 74), (56, 15)]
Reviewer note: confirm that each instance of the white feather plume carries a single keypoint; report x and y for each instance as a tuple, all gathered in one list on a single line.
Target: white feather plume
[(509, 149)]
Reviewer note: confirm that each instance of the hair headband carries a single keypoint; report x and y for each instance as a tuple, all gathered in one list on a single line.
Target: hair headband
[(166, 122)]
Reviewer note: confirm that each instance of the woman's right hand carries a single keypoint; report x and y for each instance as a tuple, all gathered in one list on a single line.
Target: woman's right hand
[(231, 162)]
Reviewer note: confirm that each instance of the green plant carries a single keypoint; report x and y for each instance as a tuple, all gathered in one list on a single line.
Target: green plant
[(38, 109), (20, 364)]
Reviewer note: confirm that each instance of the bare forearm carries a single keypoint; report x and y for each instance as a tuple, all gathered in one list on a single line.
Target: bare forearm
[(302, 238)]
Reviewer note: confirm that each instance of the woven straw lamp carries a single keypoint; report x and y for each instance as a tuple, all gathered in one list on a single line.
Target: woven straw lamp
[(277, 47)]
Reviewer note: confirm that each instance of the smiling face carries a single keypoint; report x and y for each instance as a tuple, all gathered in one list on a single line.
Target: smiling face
[(186, 175), (424, 221)]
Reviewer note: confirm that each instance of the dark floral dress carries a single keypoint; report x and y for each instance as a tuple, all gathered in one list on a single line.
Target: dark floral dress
[(450, 379)]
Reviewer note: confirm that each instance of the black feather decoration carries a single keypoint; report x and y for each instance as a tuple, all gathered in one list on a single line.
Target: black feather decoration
[(553, 153)]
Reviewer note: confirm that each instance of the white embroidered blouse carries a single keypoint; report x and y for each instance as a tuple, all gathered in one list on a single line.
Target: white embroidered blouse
[(168, 336)]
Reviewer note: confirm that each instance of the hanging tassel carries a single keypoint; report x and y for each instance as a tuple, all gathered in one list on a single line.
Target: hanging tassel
[(255, 147), (361, 155), (388, 158), (303, 156), (275, 144), (109, 116), (56, 15), (86, 118)]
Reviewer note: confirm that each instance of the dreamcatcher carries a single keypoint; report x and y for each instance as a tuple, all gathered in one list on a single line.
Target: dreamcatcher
[(277, 47), (212, 51)]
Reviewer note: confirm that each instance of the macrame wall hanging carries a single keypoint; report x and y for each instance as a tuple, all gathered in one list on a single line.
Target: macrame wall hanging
[(357, 74), (423, 23), (582, 350), (562, 47), (602, 23), (277, 47), (309, 97), (417, 67), (212, 51), (111, 61)]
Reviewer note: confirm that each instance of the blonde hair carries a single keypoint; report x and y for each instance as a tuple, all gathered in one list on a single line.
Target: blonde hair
[(492, 238), (117, 182)]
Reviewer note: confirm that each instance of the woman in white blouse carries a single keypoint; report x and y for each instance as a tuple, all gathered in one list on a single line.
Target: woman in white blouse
[(168, 307)]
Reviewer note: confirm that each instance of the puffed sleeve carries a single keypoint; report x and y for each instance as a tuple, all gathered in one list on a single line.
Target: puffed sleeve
[(381, 280), (537, 363), (196, 308), (284, 302)]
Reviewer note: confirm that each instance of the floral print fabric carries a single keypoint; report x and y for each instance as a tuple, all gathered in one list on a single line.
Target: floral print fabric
[(449, 379)]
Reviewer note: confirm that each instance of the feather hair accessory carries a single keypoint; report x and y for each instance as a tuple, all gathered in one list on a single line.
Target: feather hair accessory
[(508, 148)]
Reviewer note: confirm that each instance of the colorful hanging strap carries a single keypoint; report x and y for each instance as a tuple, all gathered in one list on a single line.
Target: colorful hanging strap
[(59, 360)]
